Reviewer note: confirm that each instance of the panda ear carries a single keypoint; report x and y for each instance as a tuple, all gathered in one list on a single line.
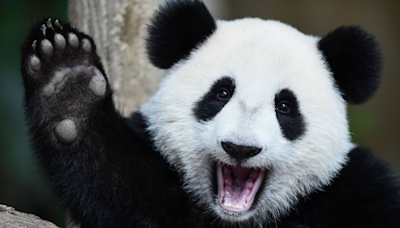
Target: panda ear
[(355, 61), (176, 29)]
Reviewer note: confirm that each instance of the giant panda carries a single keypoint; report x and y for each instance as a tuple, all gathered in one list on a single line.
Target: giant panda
[(247, 129)]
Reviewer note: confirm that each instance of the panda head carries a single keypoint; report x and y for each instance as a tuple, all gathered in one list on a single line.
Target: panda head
[(253, 112)]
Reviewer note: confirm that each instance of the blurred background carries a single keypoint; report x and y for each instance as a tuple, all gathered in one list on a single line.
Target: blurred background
[(375, 124), (21, 184)]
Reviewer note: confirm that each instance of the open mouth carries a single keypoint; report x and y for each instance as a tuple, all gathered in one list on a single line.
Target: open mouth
[(237, 187)]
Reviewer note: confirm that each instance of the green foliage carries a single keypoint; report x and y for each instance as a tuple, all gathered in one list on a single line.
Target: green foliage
[(22, 186)]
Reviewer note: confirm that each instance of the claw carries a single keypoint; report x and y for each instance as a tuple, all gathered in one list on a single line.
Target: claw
[(49, 25), (44, 29), (34, 45), (57, 23)]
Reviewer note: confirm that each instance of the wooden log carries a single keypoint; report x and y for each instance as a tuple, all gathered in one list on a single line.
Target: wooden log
[(10, 218)]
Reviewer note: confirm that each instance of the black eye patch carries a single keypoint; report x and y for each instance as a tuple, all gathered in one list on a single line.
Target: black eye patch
[(215, 99), (288, 114)]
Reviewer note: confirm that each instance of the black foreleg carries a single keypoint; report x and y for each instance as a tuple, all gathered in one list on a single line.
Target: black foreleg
[(102, 165)]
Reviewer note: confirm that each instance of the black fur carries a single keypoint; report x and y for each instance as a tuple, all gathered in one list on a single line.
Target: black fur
[(292, 122), (365, 194), (177, 29), (37, 34), (110, 176), (355, 60), (210, 104)]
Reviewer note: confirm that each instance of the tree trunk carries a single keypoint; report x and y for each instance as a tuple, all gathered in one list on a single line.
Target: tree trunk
[(11, 218), (118, 28)]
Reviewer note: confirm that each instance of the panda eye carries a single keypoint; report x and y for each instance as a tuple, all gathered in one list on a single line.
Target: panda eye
[(283, 107), (223, 94)]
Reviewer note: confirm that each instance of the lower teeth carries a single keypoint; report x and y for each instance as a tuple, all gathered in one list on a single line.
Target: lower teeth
[(234, 206)]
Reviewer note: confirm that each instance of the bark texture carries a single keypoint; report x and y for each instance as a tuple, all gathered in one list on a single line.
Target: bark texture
[(119, 28), (11, 218)]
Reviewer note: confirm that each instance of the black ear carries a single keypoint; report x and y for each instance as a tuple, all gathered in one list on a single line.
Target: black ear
[(355, 61), (176, 29)]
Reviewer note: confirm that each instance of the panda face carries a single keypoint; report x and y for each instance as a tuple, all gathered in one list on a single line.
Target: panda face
[(252, 119)]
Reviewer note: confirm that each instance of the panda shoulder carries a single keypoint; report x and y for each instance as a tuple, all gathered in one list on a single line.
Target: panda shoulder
[(365, 177), (365, 169), (364, 192), (365, 188)]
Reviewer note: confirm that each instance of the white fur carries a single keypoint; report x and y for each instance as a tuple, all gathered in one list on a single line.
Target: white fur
[(262, 57)]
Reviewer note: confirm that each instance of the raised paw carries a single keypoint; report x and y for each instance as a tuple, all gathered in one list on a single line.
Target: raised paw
[(63, 77)]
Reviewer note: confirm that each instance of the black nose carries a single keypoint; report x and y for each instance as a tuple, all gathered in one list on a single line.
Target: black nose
[(240, 152)]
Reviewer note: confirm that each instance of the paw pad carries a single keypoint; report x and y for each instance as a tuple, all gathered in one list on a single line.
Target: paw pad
[(86, 45), (98, 84), (58, 77), (46, 48), (68, 85), (66, 131), (73, 40), (60, 42), (34, 64)]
